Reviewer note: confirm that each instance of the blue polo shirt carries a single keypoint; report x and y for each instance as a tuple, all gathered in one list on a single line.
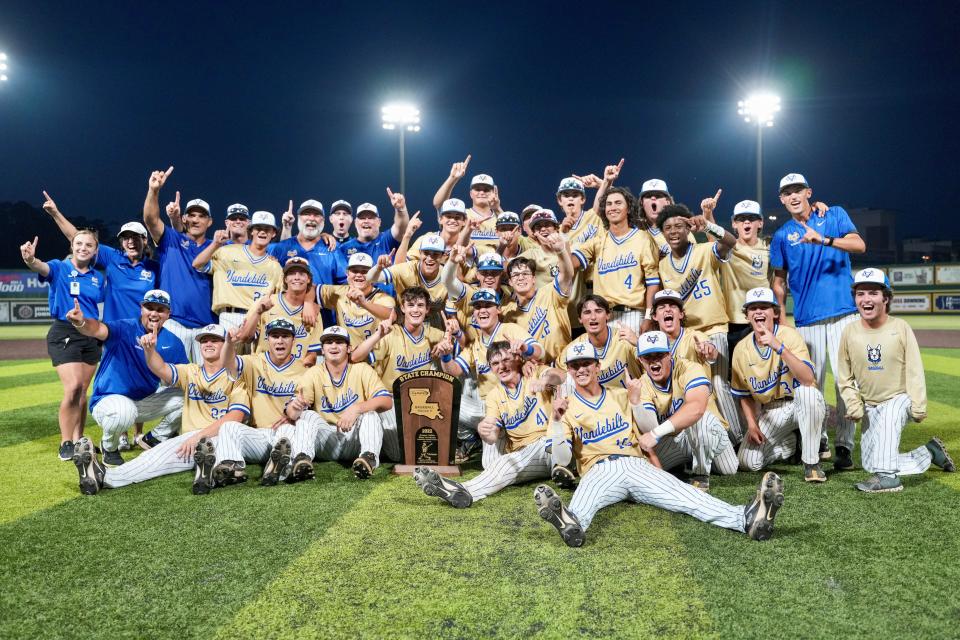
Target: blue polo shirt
[(126, 283), (123, 367), (62, 273), (381, 245), (323, 264), (819, 276), (191, 292)]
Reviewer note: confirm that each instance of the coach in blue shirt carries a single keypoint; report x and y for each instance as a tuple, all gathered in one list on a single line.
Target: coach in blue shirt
[(812, 254), (369, 239)]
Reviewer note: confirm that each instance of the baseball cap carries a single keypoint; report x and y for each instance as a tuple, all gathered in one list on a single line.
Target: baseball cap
[(760, 295), (296, 262), (197, 203), (791, 179), (490, 262), (237, 210), (335, 331), (654, 185), (263, 219), (453, 205), (580, 351), (872, 275), (368, 207), (280, 324), (133, 227), (544, 215), (667, 295), (747, 208), (212, 330), (652, 342), (528, 210), (482, 179), (360, 260), (508, 219), (341, 204), (156, 296), (433, 242), (485, 295), (310, 205), (570, 184)]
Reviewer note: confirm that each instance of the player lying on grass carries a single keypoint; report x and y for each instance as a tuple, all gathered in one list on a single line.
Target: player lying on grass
[(882, 383), (344, 423), (774, 379), (518, 410), (599, 429), (210, 399)]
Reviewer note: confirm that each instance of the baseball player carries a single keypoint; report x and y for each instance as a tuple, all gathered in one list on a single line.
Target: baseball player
[(881, 379), (310, 242), (453, 220), (812, 255), (423, 273), (776, 384), (125, 390), (489, 274), (359, 307), (517, 415), (655, 197), (597, 426), (210, 398), (347, 398), (541, 251), (577, 224), (623, 260), (176, 252), (685, 343), (484, 204), (617, 355), (369, 239), (238, 223), (287, 304)]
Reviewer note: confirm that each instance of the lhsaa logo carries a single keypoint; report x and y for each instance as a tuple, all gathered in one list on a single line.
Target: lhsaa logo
[(874, 358)]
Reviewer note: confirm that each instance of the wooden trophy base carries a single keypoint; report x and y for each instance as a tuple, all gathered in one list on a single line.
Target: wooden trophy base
[(443, 469)]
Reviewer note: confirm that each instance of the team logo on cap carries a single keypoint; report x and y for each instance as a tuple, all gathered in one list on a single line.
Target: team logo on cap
[(578, 349), (652, 338), (867, 274), (335, 332), (484, 295)]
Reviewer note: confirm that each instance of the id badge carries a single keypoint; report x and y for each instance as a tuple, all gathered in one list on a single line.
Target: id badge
[(74, 288)]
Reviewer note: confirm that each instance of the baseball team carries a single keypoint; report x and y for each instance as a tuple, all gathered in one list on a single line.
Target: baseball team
[(626, 351)]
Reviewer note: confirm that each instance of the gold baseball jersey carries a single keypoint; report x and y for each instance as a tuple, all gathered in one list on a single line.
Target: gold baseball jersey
[(269, 386), (547, 264), (461, 308), (588, 225), (877, 364), (623, 268), (207, 398), (329, 397), (685, 346), (240, 278), (760, 373), (617, 358), (684, 376), (545, 318), (601, 427), (485, 237), (659, 242), (414, 253), (696, 277), (400, 352), (522, 415), (304, 340), (748, 268), (407, 275), (474, 356), (358, 322)]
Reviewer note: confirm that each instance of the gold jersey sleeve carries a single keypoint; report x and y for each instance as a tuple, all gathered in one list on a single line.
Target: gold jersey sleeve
[(407, 275), (358, 322), (304, 340), (522, 415), (747, 268), (330, 397), (269, 386), (587, 226), (240, 278), (485, 237), (399, 352), (684, 376), (545, 318), (685, 346), (760, 373), (877, 364), (207, 398), (617, 359), (696, 277), (600, 427), (660, 242), (623, 268), (474, 356)]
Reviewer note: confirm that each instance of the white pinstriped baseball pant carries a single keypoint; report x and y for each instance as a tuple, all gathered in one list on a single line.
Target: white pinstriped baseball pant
[(472, 409), (631, 318), (160, 460), (823, 339), (721, 386), (705, 445), (116, 414), (880, 440), (528, 463), (636, 479), (777, 420), (242, 443), (329, 443), (188, 336)]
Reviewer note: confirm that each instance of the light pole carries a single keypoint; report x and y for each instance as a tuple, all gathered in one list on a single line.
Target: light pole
[(3, 67), (404, 117), (759, 109)]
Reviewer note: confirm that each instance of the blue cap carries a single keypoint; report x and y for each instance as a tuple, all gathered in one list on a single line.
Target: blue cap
[(490, 262), (485, 295), (280, 324), (156, 296)]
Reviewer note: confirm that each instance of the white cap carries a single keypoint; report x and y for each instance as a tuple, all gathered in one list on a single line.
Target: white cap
[(872, 275), (667, 294), (433, 242), (791, 179), (366, 206), (747, 208), (212, 330), (310, 205), (453, 205), (263, 219), (197, 203), (238, 209), (654, 184), (342, 204), (760, 295), (335, 331), (652, 342), (482, 178), (360, 259), (133, 227), (580, 351)]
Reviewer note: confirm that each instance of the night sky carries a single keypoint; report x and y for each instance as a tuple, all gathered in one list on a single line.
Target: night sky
[(262, 102)]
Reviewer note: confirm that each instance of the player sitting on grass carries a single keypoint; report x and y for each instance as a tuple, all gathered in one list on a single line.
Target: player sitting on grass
[(518, 410), (210, 399), (777, 387), (598, 427), (882, 383), (344, 424)]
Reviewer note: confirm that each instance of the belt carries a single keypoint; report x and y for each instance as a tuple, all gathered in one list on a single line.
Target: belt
[(233, 310), (615, 456)]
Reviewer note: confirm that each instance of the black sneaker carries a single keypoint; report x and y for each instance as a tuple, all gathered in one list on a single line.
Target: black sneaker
[(229, 472), (278, 465), (112, 459), (302, 469), (433, 484), (551, 509), (939, 455), (364, 465), (204, 459), (466, 450), (147, 441), (66, 451), (843, 461)]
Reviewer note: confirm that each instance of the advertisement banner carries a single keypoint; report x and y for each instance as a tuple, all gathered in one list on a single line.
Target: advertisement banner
[(22, 284), (911, 276), (24, 311), (948, 274), (910, 303), (947, 302), (4, 312)]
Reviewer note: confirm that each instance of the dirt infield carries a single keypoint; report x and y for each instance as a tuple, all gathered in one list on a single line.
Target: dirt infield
[(938, 338)]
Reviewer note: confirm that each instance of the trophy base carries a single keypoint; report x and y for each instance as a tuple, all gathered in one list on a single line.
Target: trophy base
[(444, 470)]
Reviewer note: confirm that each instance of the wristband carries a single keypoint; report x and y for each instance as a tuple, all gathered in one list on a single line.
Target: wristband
[(780, 350), (665, 428), (830, 241), (529, 352), (446, 358), (715, 230)]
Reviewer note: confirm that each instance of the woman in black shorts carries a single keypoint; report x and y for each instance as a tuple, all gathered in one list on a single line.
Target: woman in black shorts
[(73, 282)]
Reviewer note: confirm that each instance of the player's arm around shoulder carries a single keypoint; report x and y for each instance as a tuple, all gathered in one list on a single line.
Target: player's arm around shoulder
[(208, 259)]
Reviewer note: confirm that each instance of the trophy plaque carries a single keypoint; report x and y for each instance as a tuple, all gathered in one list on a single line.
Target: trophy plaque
[(427, 406)]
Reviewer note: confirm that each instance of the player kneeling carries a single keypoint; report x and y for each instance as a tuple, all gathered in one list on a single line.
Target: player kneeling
[(599, 428), (777, 386), (208, 392), (882, 383), (516, 416), (344, 424)]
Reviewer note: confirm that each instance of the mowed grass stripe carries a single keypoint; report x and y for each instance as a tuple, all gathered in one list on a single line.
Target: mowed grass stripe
[(31, 395), (10, 368), (27, 379), (402, 564), (941, 364)]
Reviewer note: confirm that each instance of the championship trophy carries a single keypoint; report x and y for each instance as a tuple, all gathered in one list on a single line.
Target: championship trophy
[(427, 405)]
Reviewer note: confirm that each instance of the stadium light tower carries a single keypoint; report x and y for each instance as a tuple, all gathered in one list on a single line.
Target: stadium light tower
[(402, 117), (759, 109), (3, 67)]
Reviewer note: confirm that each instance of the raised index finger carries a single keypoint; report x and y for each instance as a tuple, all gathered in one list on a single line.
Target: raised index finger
[(717, 197), (166, 174), (620, 164), (389, 193), (177, 199), (47, 196), (466, 161)]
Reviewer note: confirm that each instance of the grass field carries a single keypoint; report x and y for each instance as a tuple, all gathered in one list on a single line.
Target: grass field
[(339, 557)]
